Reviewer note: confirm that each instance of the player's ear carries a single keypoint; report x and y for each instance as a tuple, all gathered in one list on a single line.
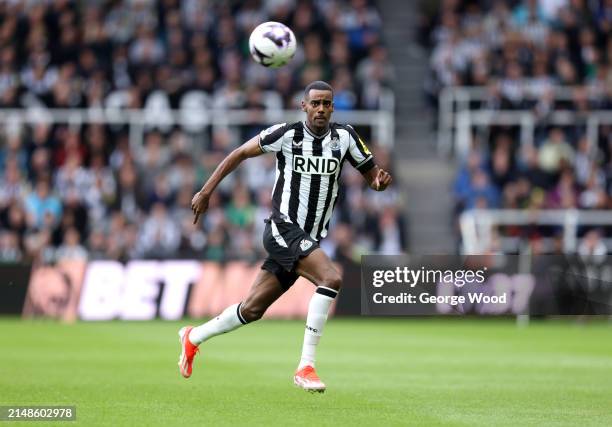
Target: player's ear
[(303, 105)]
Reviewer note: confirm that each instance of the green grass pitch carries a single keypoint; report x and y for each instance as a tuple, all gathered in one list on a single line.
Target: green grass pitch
[(458, 372)]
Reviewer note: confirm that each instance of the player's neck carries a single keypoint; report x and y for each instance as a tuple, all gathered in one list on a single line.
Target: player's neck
[(317, 130)]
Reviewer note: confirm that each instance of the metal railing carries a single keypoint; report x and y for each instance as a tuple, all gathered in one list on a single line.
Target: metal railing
[(477, 225), (140, 121), (456, 118)]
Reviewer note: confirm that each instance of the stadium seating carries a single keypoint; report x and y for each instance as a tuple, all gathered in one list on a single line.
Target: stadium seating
[(85, 191), (541, 58)]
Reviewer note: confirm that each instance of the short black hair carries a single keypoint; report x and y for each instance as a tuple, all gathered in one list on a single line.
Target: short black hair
[(317, 85)]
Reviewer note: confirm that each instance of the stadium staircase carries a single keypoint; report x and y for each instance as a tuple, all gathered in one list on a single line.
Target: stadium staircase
[(424, 176)]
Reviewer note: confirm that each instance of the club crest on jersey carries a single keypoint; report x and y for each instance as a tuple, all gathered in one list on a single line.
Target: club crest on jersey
[(305, 244), (334, 144), (315, 164)]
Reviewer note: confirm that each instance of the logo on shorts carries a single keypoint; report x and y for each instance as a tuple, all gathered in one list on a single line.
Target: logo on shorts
[(305, 244)]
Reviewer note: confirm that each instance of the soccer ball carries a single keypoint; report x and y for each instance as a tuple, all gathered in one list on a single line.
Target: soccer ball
[(272, 44)]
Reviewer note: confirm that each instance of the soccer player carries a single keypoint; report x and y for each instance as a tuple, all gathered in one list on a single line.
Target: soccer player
[(309, 159)]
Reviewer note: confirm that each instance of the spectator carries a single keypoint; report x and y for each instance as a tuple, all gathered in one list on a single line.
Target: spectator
[(71, 248), (556, 152), (10, 252), (565, 193), (159, 236), (240, 211), (12, 184), (594, 196), (97, 244), (391, 239), (532, 171), (125, 201), (461, 186), (40, 203), (481, 194), (13, 219), (591, 248)]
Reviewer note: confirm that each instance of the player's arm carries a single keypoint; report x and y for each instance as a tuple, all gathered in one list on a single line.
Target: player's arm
[(199, 203), (361, 158), (378, 179)]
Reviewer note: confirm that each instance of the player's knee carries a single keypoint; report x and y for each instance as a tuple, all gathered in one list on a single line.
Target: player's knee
[(333, 281), (251, 312)]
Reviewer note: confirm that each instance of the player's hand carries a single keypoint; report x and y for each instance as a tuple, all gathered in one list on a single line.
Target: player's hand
[(199, 204), (382, 180)]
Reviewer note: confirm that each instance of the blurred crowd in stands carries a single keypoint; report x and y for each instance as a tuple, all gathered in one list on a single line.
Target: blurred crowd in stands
[(83, 191), (521, 51)]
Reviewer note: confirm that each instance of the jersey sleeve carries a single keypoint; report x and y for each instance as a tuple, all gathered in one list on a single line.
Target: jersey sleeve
[(358, 154), (271, 139)]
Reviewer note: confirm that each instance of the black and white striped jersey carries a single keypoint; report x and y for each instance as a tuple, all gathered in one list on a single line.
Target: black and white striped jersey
[(307, 171)]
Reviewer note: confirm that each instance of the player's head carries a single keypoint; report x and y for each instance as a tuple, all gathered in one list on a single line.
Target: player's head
[(318, 104)]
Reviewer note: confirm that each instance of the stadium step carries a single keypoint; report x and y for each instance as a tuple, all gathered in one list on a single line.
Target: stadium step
[(429, 205), (423, 176)]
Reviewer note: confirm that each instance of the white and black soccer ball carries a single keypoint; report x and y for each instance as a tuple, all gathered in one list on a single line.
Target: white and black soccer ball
[(272, 44)]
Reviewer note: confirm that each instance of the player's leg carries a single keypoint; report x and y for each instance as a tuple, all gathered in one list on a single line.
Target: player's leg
[(265, 290), (318, 268)]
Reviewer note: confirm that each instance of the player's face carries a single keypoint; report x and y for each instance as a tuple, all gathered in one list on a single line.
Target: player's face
[(319, 106)]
